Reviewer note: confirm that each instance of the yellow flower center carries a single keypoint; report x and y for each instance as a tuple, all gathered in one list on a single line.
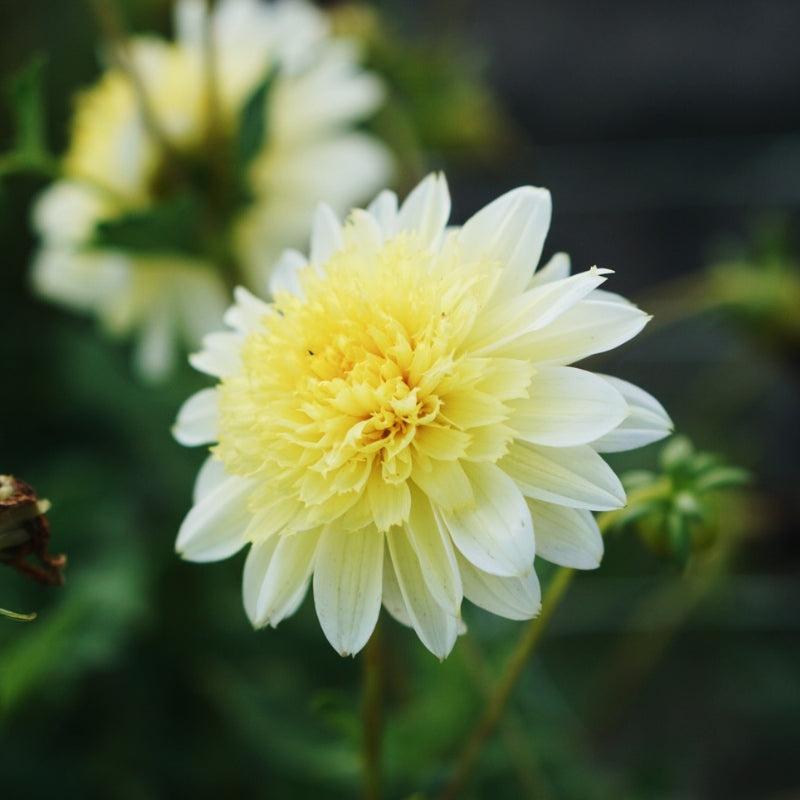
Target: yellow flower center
[(364, 384)]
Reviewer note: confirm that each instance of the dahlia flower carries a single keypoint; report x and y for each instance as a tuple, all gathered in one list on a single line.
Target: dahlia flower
[(191, 169), (401, 424)]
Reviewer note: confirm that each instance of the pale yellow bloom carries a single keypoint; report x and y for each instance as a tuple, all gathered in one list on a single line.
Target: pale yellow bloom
[(401, 425), (117, 164)]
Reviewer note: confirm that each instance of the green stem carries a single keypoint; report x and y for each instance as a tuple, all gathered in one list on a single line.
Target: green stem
[(502, 692), (373, 716), (499, 698), (4, 612)]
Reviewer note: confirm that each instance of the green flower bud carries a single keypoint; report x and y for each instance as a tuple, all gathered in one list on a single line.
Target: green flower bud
[(677, 512)]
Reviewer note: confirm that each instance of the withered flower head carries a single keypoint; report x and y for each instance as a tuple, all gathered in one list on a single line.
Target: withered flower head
[(24, 532)]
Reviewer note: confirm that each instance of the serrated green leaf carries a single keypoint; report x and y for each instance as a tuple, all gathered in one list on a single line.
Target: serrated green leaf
[(253, 124), (171, 227)]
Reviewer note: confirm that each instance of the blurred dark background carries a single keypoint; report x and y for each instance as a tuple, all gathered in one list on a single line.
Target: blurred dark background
[(669, 136)]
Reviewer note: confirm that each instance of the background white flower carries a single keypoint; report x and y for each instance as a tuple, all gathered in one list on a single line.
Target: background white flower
[(222, 228), (401, 425)]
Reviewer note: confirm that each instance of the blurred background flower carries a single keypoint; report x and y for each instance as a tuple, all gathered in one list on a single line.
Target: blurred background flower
[(192, 164), (668, 136)]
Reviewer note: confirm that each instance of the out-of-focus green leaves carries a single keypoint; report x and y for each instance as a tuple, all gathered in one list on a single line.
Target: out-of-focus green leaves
[(29, 152), (439, 100), (676, 511), (760, 289), (173, 226), (253, 126)]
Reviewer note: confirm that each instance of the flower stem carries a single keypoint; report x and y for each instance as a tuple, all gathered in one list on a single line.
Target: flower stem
[(499, 698), (4, 612), (373, 715), (502, 692)]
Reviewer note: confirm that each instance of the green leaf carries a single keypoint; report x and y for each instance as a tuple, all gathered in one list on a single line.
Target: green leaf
[(722, 478), (26, 98), (171, 227), (253, 124)]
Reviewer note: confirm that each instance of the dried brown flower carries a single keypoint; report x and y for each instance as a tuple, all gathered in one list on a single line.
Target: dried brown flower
[(25, 532)]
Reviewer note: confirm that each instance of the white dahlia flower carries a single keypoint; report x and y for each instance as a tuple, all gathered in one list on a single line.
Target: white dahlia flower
[(176, 190), (401, 425)]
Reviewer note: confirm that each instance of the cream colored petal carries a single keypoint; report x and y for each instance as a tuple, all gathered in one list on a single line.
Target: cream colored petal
[(427, 209), (556, 269), (67, 212), (326, 235), (247, 312), (384, 209), (210, 475), (219, 356), (590, 326), (197, 419), (497, 534), (347, 586), (646, 422), (284, 581), (568, 476), (389, 502), (532, 311), (567, 406), (154, 353), (190, 21), (393, 600), (285, 276), (566, 536), (510, 230), (510, 597), (435, 553), (214, 527), (435, 627), (445, 483)]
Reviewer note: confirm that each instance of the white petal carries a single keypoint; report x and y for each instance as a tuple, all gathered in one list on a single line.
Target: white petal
[(326, 235), (247, 312), (197, 419), (568, 476), (531, 311), (566, 536), (511, 230), (591, 326), (190, 21), (255, 570), (285, 276), (347, 586), (436, 628), (556, 269), (647, 421), (214, 527), (435, 553), (284, 576), (67, 212), (567, 406), (384, 209), (511, 597), (497, 535), (219, 356), (393, 600), (154, 355), (211, 475), (427, 209)]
